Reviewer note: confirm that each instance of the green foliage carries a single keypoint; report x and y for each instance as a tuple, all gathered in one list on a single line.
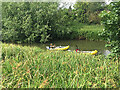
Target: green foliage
[(34, 22), (31, 67), (89, 32), (26, 22), (80, 10), (63, 28), (88, 12), (111, 32)]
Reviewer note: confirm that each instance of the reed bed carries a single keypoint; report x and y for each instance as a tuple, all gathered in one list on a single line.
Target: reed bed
[(32, 67)]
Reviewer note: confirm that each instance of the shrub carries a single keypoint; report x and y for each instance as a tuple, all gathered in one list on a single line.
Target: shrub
[(111, 32)]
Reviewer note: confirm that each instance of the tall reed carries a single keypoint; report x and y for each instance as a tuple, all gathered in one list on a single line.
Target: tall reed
[(31, 67)]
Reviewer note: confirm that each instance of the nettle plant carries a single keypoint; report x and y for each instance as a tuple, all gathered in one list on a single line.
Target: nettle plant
[(111, 21)]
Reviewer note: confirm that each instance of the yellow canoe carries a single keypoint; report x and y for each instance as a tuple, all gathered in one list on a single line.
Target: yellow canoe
[(89, 52), (58, 48), (94, 52)]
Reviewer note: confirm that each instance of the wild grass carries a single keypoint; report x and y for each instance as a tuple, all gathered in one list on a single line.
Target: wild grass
[(93, 27), (31, 67), (90, 32)]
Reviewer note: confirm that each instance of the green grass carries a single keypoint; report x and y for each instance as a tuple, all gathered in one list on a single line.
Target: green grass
[(31, 67), (93, 28), (89, 31)]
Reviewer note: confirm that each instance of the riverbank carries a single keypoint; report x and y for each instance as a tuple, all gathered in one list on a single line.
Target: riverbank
[(32, 67), (85, 31)]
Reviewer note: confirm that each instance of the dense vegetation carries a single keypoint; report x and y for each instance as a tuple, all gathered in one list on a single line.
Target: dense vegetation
[(90, 32), (25, 22), (31, 67), (111, 21)]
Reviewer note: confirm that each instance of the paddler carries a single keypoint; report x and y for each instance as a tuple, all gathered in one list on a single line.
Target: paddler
[(77, 50), (52, 46)]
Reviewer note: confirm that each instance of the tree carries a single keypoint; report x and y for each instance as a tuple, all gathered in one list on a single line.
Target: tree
[(27, 22), (80, 9), (111, 20), (87, 12)]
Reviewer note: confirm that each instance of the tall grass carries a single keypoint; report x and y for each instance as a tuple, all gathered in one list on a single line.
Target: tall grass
[(31, 67), (90, 32)]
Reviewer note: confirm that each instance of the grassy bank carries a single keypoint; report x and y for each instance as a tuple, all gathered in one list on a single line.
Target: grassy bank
[(91, 31), (87, 31), (31, 67)]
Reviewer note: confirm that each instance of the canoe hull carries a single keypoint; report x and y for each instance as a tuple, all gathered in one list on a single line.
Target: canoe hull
[(89, 52), (58, 48)]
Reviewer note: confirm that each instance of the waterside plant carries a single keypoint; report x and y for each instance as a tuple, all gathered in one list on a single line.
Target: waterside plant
[(32, 67)]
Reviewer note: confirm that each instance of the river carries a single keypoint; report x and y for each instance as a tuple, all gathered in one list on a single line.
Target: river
[(84, 45)]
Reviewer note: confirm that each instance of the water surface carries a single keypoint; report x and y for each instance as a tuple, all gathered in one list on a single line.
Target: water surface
[(85, 45)]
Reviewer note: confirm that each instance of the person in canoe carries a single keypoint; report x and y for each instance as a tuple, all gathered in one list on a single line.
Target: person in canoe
[(77, 49), (52, 46)]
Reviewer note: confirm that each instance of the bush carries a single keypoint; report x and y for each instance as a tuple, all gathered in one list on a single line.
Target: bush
[(111, 32), (26, 22)]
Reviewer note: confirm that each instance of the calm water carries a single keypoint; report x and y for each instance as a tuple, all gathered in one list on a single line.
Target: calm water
[(84, 45)]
